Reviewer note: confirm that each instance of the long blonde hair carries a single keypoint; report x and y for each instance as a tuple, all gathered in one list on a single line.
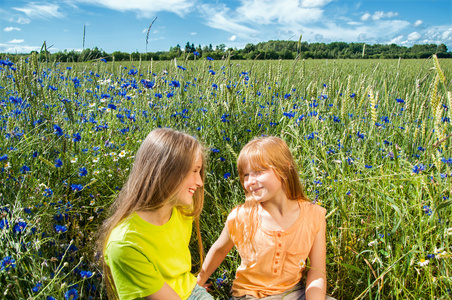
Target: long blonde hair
[(263, 153), (162, 162)]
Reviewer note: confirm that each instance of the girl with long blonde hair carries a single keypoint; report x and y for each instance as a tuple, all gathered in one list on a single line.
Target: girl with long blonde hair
[(145, 241)]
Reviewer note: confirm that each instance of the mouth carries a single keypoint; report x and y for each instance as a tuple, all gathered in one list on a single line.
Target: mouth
[(255, 190), (191, 191)]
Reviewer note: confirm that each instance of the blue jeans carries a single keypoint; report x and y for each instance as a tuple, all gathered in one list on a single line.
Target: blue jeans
[(200, 293)]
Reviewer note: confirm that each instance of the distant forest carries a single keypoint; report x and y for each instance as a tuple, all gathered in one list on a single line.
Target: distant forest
[(264, 50)]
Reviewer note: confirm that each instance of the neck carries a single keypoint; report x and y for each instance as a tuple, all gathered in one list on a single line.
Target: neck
[(281, 207), (157, 217)]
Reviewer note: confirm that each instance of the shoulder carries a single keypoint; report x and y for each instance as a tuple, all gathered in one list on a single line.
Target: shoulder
[(313, 210), (314, 215)]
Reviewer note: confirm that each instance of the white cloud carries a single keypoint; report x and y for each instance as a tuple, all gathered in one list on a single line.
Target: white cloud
[(20, 20), (447, 35), (33, 10), (381, 15), (8, 29), (233, 38), (313, 3), (378, 15), (283, 11), (193, 33), (397, 40), (145, 8), (8, 48), (15, 41), (365, 17), (219, 17), (418, 23), (414, 36)]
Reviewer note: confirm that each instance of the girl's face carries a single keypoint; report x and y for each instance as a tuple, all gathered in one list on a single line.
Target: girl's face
[(262, 185), (190, 184)]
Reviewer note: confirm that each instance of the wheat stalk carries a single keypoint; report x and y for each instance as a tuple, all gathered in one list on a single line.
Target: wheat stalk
[(231, 150), (434, 100), (438, 69)]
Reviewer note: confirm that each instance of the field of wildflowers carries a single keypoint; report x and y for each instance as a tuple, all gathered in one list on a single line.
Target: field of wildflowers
[(371, 137)]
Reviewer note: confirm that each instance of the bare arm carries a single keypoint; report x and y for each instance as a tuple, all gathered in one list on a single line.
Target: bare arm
[(165, 293), (215, 256), (316, 279)]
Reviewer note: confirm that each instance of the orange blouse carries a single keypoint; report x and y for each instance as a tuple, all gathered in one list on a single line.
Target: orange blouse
[(281, 255)]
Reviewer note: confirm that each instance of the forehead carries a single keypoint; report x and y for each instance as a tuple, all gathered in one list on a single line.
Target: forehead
[(253, 165), (198, 160)]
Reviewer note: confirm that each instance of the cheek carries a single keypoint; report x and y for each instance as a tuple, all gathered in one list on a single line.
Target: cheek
[(246, 185)]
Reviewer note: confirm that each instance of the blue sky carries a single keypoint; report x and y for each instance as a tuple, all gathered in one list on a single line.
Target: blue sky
[(121, 25)]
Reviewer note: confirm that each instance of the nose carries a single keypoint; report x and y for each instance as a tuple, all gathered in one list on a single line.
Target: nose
[(199, 181)]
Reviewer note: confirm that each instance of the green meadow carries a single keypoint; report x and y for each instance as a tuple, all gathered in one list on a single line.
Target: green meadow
[(372, 139)]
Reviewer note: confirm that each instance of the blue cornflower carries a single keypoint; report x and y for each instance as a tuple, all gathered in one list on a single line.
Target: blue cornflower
[(214, 150), (4, 157), (336, 119), (289, 114), (182, 68), (175, 83), (220, 281), (209, 58), (111, 106), (86, 274), (196, 53), (427, 210), (71, 294), (48, 193), (58, 163), (4, 224), (76, 187), (60, 228), (360, 135), (368, 166), (57, 130), (400, 100), (7, 263), (103, 60), (212, 72), (214, 86), (24, 169), (227, 175), (76, 137), (82, 172), (418, 168), (37, 287), (169, 95), (158, 95), (20, 227)]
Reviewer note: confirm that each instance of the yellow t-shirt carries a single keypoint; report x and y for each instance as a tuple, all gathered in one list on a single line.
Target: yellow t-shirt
[(281, 255), (143, 256)]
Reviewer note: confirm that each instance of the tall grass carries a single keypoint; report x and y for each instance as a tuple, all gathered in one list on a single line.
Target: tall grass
[(371, 138)]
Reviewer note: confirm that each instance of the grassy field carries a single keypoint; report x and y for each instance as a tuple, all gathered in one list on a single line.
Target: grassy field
[(371, 138)]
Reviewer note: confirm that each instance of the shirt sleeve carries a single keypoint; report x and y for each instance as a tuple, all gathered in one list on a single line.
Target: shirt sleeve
[(134, 275)]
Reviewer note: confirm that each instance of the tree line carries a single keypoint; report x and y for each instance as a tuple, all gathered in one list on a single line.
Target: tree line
[(265, 50)]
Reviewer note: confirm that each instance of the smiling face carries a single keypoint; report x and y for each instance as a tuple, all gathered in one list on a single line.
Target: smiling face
[(262, 185), (190, 183)]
